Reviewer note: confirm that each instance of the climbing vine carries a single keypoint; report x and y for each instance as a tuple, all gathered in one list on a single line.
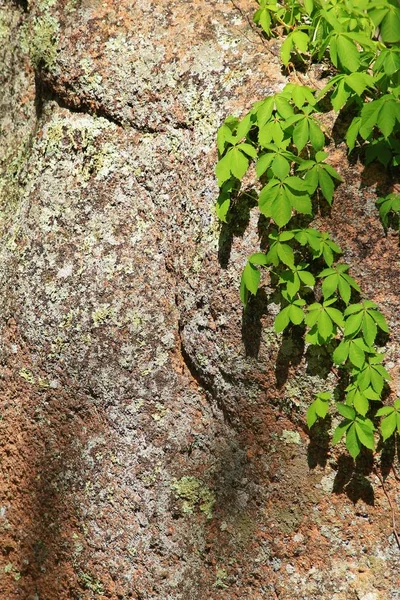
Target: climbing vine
[(284, 136)]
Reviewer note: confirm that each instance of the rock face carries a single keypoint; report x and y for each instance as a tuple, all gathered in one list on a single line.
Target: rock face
[(152, 437)]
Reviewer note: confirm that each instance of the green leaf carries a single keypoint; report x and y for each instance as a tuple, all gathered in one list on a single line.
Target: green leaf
[(321, 407), (258, 258), (312, 317), (346, 411), (286, 50), (333, 50), (239, 163), (224, 134), (267, 196), (353, 444), (299, 201), (329, 285), (326, 184), (339, 432), (301, 134), (332, 172), (348, 54), (223, 170), (356, 355), (244, 127), (244, 293), (309, 6), (301, 41), (392, 62), (248, 149), (251, 278), (352, 132), (263, 18), (388, 425), (379, 320), (307, 278), (390, 26), (327, 254), (285, 236), (317, 137), (325, 326), (371, 394), (353, 324), (376, 380), (335, 315), (280, 167), (359, 82), (296, 315), (283, 106), (285, 253), (340, 96), (263, 163), (282, 319), (311, 415), (281, 209), (369, 329), (301, 95), (361, 403), (365, 432), (387, 116), (341, 353), (224, 200), (385, 410), (369, 117), (264, 111), (344, 289)]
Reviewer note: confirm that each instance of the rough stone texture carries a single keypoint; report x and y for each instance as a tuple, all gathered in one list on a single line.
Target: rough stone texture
[(152, 438)]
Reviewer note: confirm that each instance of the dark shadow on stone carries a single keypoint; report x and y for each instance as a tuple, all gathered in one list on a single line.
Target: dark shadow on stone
[(22, 4), (319, 361), (264, 228), (39, 97), (59, 475), (344, 473), (237, 225), (360, 488), (320, 443), (290, 353), (351, 478), (388, 453), (375, 174), (342, 124), (252, 321)]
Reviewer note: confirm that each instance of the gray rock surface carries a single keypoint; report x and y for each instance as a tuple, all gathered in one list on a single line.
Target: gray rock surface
[(152, 436)]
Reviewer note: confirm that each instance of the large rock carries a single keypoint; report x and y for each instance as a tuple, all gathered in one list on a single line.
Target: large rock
[(152, 436)]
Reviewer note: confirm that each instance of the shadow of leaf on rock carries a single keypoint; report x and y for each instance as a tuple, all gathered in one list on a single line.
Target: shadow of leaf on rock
[(320, 443), (252, 326), (290, 353), (352, 478), (319, 361), (239, 218)]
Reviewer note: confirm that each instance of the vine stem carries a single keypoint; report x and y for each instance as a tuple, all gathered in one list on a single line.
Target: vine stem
[(394, 526), (252, 26)]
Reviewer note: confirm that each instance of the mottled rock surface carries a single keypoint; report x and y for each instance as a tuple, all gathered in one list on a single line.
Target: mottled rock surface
[(152, 438)]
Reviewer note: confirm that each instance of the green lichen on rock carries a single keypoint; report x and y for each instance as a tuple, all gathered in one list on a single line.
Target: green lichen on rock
[(102, 314), (40, 40), (4, 28), (27, 375), (290, 437), (89, 582), (194, 493)]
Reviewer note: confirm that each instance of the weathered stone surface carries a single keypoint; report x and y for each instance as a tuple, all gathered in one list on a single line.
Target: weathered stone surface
[(152, 437)]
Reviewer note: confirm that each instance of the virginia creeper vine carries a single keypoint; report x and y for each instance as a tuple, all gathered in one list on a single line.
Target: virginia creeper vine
[(283, 136)]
